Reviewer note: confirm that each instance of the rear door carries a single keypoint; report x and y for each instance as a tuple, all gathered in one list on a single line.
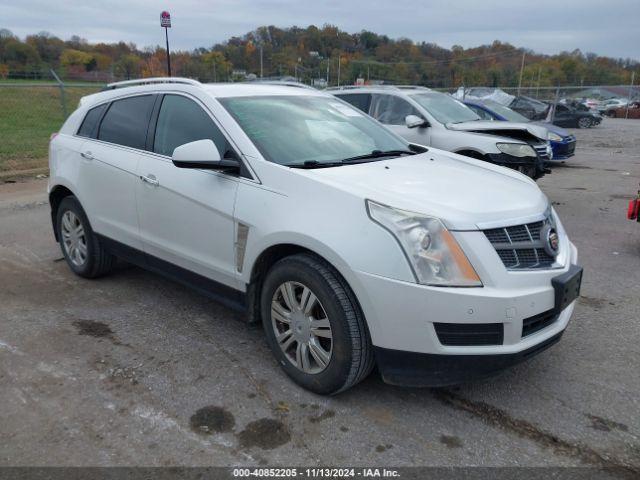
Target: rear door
[(109, 162), (186, 215)]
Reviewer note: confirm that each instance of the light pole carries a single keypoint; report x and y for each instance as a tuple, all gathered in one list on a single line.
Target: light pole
[(165, 21)]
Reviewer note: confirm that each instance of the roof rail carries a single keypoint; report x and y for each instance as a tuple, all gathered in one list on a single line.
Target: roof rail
[(151, 81), (356, 87), (387, 87), (281, 83)]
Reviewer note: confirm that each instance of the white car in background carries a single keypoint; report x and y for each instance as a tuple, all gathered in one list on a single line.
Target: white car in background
[(352, 246), (435, 119)]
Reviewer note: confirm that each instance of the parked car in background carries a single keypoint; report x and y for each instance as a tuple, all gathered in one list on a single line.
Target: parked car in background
[(573, 116), (611, 104), (530, 107), (434, 119), (350, 245), (621, 112), (563, 143)]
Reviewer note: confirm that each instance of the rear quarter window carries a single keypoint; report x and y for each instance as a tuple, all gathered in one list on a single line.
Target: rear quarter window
[(126, 121), (89, 127)]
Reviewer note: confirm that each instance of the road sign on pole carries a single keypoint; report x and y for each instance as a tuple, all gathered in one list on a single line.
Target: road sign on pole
[(165, 21)]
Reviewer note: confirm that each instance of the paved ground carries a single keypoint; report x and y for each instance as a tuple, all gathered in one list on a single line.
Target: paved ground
[(116, 371)]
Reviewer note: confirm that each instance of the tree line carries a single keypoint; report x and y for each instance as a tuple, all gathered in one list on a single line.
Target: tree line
[(309, 54)]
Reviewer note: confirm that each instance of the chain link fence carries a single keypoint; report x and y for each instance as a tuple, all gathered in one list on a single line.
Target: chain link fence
[(29, 113)]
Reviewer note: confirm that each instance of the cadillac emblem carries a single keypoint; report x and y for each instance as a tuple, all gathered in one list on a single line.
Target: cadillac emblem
[(550, 240)]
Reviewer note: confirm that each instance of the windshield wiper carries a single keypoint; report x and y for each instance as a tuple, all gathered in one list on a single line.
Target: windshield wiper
[(309, 164), (378, 154)]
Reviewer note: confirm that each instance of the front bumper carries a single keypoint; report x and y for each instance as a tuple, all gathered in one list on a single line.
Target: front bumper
[(564, 149), (411, 369), (403, 318), (504, 160)]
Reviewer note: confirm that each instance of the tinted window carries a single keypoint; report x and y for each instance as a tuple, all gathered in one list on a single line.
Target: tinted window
[(126, 121), (392, 110), (90, 122), (182, 121), (361, 101)]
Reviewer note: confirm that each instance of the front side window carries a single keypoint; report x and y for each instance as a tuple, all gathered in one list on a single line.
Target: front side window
[(444, 108), (181, 121), (126, 121), (89, 125), (392, 110), (293, 129)]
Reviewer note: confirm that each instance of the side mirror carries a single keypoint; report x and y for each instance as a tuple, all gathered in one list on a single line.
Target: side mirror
[(414, 121), (202, 154)]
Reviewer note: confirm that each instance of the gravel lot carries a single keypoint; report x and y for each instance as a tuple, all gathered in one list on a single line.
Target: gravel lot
[(133, 369)]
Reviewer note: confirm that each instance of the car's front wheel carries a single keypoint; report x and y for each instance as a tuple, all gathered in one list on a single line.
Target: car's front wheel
[(584, 122), (82, 250), (314, 325)]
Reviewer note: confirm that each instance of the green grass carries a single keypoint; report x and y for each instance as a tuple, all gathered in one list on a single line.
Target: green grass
[(28, 116)]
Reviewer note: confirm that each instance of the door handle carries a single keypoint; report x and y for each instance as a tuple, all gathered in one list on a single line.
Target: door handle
[(87, 155), (150, 179)]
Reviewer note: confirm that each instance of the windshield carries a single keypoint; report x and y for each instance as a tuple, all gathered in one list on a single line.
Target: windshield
[(506, 112), (444, 108), (291, 130)]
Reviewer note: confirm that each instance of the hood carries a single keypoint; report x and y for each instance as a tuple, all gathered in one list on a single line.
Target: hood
[(461, 191), (504, 129), (554, 128)]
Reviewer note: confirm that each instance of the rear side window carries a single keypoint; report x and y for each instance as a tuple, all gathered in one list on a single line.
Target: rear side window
[(181, 121), (126, 121), (358, 100), (89, 127)]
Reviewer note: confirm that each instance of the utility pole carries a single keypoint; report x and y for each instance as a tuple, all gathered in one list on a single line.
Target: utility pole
[(215, 77), (339, 62), (633, 77), (538, 89), (328, 65), (521, 72), (165, 21), (261, 60)]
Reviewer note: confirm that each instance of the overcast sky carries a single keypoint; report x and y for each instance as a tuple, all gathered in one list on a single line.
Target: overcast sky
[(547, 26)]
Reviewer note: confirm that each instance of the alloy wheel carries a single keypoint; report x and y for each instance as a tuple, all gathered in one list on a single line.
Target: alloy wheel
[(74, 238), (302, 328)]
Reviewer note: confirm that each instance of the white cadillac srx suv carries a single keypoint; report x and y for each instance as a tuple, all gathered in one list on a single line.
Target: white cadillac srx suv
[(352, 246)]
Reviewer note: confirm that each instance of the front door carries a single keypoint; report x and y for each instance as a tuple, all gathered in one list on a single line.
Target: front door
[(392, 111), (186, 215)]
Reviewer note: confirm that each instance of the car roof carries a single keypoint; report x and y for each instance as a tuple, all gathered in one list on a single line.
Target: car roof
[(215, 90), (389, 89)]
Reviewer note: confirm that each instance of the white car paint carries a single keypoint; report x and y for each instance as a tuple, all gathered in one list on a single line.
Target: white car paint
[(460, 137), (192, 218)]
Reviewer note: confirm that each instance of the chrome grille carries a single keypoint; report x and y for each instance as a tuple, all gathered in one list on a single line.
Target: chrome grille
[(521, 246)]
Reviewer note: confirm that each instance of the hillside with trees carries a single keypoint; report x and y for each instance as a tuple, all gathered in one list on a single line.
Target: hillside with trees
[(307, 54)]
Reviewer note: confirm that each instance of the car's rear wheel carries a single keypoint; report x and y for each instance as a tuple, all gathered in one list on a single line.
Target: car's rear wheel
[(314, 325), (81, 248), (584, 122)]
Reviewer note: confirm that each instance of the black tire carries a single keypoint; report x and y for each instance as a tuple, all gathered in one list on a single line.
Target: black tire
[(584, 122), (98, 261), (352, 353)]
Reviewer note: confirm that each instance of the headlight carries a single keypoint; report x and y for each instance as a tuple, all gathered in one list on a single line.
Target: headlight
[(516, 149), (554, 137), (433, 253)]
